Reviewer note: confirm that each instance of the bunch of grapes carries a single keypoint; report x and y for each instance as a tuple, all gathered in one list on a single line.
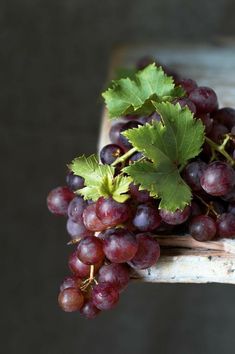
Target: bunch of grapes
[(111, 238)]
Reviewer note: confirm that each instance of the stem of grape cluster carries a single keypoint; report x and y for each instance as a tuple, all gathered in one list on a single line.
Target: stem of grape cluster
[(91, 278), (124, 157), (221, 148)]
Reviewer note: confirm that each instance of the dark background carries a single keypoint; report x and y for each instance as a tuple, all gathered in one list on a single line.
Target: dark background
[(54, 58)]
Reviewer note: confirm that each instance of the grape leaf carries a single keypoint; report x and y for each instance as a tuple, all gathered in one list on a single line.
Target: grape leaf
[(99, 179), (169, 144), (135, 96)]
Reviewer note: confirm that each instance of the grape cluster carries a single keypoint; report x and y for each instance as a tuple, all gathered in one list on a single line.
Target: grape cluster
[(111, 238)]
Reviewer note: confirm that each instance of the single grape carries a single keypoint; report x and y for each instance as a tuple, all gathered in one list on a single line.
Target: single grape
[(192, 174), (205, 99), (188, 85), (148, 252), (218, 178), (90, 250), (105, 296), (177, 217), (89, 310), (185, 102), (77, 267), (135, 157), (225, 116), (91, 220), (71, 299), (111, 212), (120, 246), (77, 229), (123, 141), (226, 225), (141, 196), (76, 208), (114, 133), (74, 182), (80, 269), (118, 275), (147, 218), (202, 228), (71, 282), (58, 200), (217, 133), (109, 153)]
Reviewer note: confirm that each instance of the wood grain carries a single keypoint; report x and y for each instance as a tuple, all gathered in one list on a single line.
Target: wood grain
[(183, 259)]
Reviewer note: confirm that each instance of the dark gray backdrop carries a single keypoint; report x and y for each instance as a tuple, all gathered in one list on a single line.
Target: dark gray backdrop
[(54, 57)]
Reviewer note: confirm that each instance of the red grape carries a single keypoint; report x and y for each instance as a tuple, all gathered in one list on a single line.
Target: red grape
[(147, 218), (226, 225), (90, 250), (205, 99), (105, 296), (71, 282), (70, 299), (202, 228), (89, 310), (117, 275), (177, 217), (111, 212), (58, 200), (91, 220), (147, 254)]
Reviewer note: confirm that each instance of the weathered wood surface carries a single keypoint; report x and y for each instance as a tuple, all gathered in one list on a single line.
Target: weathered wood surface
[(184, 260)]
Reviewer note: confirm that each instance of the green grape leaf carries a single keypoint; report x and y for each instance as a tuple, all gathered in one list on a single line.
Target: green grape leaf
[(168, 145), (99, 179), (136, 95)]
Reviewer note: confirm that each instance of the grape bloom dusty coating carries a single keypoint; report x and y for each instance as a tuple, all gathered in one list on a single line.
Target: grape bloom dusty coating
[(113, 202)]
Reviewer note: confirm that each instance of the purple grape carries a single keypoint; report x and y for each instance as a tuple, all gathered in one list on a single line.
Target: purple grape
[(78, 268), (202, 228), (147, 254), (71, 282), (89, 310), (192, 174), (226, 225), (104, 296), (114, 133), (217, 133), (71, 299), (120, 246), (111, 212), (90, 250), (188, 85), (147, 218), (58, 200), (109, 153), (91, 220), (205, 99), (135, 157), (141, 196), (77, 229), (74, 182), (76, 208), (185, 102), (177, 217), (118, 275), (225, 116), (218, 178), (123, 141)]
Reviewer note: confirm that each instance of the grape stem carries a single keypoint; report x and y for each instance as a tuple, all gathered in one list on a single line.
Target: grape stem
[(220, 148), (124, 157), (89, 280), (210, 207)]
